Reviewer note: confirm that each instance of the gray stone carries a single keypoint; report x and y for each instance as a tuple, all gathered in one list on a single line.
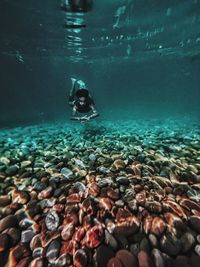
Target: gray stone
[(122, 180), (12, 170)]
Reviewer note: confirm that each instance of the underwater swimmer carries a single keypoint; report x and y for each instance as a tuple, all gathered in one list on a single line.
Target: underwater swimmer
[(81, 101)]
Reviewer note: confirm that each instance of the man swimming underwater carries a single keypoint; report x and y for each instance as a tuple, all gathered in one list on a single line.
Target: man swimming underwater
[(81, 101)]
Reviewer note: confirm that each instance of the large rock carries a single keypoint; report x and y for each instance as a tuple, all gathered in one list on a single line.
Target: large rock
[(12, 170), (187, 241), (127, 258), (8, 222), (170, 244)]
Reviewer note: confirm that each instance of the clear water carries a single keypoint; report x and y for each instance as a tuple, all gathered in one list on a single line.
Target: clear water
[(144, 65)]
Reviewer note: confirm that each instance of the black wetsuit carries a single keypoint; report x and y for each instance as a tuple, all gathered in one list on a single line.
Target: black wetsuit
[(86, 107)]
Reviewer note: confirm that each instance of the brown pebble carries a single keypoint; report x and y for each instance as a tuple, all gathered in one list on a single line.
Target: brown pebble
[(7, 222), (103, 255), (158, 226), (4, 242), (17, 253), (127, 258), (93, 189), (4, 200), (38, 262), (144, 245), (181, 263), (114, 262), (157, 258), (144, 259), (80, 258), (194, 261), (24, 262), (195, 223), (14, 235)]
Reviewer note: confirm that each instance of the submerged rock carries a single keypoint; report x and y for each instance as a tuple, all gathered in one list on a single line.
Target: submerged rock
[(52, 220)]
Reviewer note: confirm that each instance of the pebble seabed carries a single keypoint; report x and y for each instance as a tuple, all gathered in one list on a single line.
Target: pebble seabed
[(112, 195)]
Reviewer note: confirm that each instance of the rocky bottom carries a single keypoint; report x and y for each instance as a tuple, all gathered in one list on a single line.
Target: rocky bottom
[(112, 195)]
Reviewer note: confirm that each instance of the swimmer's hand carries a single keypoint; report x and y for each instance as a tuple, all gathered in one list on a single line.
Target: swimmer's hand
[(84, 118), (75, 118)]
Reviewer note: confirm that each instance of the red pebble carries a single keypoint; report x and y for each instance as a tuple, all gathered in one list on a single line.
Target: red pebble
[(58, 208), (105, 203), (93, 189), (74, 198), (158, 226), (69, 247), (123, 214), (93, 237), (79, 234), (67, 232), (47, 192)]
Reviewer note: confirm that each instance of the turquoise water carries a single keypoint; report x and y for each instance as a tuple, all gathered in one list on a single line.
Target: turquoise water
[(122, 189), (139, 59)]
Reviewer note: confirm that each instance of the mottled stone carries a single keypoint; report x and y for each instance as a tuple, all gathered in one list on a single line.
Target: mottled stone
[(52, 220)]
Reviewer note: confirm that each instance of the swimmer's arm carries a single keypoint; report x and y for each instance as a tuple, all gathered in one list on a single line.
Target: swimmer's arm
[(94, 113), (74, 112), (72, 91)]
